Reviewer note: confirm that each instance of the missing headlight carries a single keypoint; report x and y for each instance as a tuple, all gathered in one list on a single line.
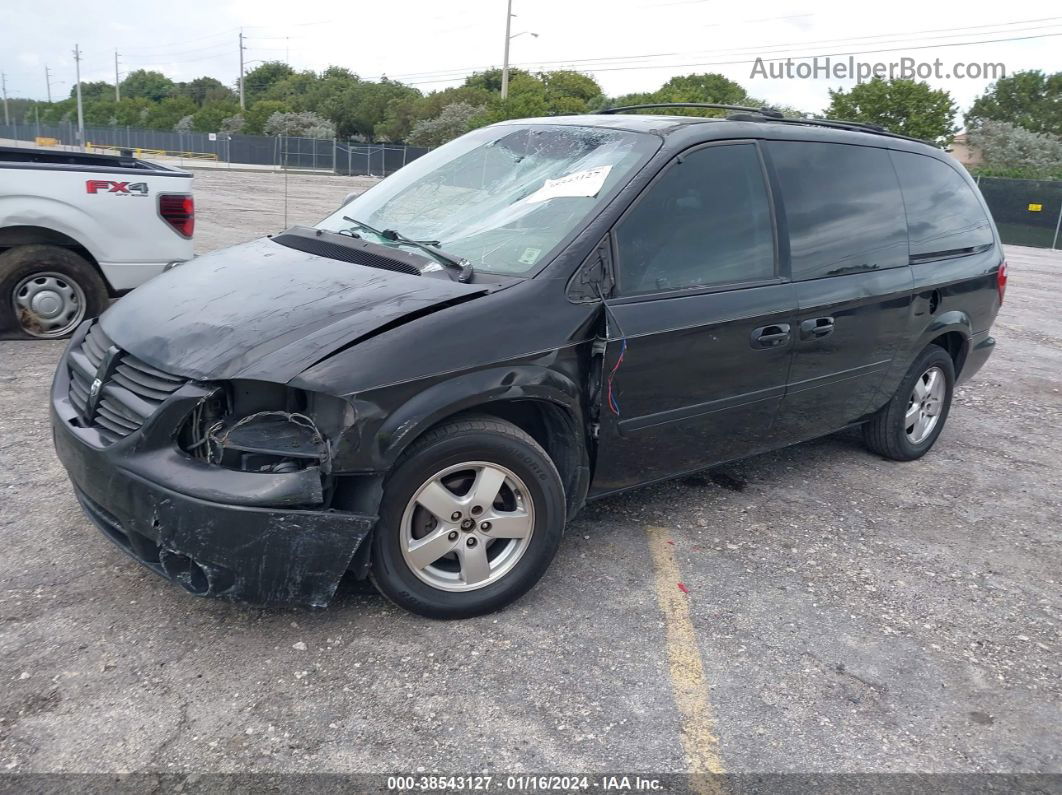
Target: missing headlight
[(268, 441), (232, 429)]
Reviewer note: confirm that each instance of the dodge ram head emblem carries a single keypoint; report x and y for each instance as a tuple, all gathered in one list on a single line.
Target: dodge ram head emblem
[(108, 364)]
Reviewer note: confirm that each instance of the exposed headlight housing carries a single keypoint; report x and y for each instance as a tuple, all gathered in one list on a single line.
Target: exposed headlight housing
[(256, 426)]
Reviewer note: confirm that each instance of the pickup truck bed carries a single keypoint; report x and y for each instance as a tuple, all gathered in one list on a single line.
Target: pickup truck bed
[(78, 228)]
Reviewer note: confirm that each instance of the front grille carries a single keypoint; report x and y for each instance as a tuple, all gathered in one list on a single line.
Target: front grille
[(130, 391)]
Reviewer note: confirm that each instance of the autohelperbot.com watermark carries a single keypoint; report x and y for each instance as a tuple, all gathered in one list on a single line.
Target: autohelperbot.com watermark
[(827, 67)]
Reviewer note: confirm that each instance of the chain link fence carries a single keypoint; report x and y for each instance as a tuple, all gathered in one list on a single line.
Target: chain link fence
[(279, 152), (1028, 212)]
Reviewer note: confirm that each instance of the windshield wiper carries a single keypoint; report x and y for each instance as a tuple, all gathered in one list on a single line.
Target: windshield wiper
[(430, 247)]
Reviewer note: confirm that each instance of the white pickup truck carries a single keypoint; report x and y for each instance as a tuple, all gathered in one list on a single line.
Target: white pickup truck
[(77, 229)]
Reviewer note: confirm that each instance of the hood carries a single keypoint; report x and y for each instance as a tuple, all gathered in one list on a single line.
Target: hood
[(264, 311)]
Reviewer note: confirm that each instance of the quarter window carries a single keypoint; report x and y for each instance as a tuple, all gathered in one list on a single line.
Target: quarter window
[(842, 206), (706, 222), (943, 213)]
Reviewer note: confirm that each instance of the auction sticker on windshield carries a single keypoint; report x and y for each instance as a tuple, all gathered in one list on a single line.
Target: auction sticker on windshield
[(580, 184)]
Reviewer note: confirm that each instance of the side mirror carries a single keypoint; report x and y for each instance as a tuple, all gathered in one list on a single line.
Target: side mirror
[(350, 197)]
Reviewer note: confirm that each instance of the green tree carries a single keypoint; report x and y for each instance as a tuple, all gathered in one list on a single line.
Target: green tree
[(255, 118), (399, 117), (100, 111), (58, 112), (23, 111), (705, 87), (153, 86), (545, 93), (454, 120), (132, 111), (259, 82), (203, 90), (1008, 150), (1032, 100), (166, 114), (491, 79), (302, 123), (93, 90), (907, 107), (211, 117), (363, 105)]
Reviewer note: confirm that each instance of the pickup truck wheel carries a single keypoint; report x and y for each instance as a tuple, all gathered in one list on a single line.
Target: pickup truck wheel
[(47, 291), (907, 426), (470, 520)]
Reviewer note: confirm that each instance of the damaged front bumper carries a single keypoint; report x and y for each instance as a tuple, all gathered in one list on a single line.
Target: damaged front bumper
[(247, 536)]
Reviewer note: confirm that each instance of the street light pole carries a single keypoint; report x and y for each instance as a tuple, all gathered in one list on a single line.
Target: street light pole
[(243, 104), (3, 83), (80, 111), (505, 60)]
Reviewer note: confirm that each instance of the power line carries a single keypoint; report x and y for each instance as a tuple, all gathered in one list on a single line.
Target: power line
[(846, 41)]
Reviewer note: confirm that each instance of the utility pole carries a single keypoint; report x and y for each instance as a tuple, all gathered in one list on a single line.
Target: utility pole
[(505, 60), (48, 81), (80, 111), (243, 103), (117, 93), (3, 83)]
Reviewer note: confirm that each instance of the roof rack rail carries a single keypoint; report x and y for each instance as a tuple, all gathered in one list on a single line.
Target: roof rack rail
[(841, 124), (855, 126), (745, 113), (764, 111)]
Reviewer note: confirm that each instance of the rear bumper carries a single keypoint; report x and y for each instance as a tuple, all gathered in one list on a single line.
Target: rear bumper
[(981, 347), (236, 535)]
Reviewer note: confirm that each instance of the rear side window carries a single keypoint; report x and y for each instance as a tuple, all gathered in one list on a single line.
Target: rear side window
[(943, 213), (706, 222), (843, 208)]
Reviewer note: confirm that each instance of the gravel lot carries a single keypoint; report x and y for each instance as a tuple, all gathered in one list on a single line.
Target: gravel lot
[(851, 614)]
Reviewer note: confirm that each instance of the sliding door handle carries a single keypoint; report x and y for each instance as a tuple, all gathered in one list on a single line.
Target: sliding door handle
[(816, 327)]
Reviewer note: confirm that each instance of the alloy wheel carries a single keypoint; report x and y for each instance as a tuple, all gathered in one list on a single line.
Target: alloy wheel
[(467, 526), (925, 405)]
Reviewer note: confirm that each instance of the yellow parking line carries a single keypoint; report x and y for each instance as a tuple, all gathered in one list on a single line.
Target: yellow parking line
[(688, 682)]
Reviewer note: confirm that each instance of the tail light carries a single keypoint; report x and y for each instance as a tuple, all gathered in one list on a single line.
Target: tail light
[(1001, 280), (178, 210)]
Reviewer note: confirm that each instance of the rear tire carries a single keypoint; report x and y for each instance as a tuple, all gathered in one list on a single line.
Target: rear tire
[(908, 425), (471, 517), (47, 291)]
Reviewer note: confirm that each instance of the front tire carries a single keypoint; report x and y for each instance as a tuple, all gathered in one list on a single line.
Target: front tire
[(47, 291), (471, 517), (908, 425)]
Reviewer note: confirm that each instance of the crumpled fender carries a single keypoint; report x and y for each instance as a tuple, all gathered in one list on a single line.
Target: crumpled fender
[(459, 393)]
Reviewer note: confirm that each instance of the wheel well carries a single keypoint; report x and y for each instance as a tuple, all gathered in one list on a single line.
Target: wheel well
[(559, 434), (12, 236), (956, 345)]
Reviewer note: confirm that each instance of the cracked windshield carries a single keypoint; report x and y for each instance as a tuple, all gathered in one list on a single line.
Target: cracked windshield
[(503, 197)]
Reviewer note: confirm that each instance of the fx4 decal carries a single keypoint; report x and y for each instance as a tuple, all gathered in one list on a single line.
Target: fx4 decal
[(110, 186)]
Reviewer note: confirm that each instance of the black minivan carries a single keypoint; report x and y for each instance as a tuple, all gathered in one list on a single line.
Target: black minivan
[(427, 385)]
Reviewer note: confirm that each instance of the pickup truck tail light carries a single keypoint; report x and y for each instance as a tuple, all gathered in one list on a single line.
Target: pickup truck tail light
[(1001, 280), (178, 210)]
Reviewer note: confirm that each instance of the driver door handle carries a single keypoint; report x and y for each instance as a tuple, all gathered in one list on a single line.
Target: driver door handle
[(770, 336)]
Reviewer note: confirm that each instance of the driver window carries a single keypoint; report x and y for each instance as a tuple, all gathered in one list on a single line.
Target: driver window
[(706, 222)]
